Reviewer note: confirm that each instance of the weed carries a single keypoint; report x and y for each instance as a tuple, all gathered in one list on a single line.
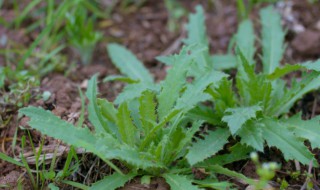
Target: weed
[(256, 109)]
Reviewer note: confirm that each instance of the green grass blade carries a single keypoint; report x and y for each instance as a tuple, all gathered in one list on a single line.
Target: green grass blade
[(10, 160), (25, 12), (44, 32)]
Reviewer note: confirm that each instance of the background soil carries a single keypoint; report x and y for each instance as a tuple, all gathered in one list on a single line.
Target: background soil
[(144, 31)]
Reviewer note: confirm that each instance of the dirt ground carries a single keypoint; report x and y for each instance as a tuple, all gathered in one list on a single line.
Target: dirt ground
[(144, 31)]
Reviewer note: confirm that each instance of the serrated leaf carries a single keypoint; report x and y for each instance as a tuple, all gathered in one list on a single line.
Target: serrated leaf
[(249, 83), (49, 124), (237, 152), (212, 143), (306, 129), (238, 116), (139, 159), (223, 62), (251, 135), (277, 135), (194, 92), (197, 35), (245, 38), (178, 182), (222, 96), (133, 91), (171, 87), (107, 110), (204, 113), (310, 65), (308, 83), (128, 63), (127, 130), (279, 72), (189, 134), (112, 182), (272, 39), (94, 112), (147, 111)]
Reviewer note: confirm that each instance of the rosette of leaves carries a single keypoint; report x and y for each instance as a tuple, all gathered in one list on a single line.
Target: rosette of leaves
[(149, 133), (256, 108)]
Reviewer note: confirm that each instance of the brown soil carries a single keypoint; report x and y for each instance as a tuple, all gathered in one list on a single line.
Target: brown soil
[(144, 31)]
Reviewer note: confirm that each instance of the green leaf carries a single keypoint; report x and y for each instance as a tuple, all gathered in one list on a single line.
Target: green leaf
[(223, 62), (306, 129), (107, 110), (119, 78), (10, 160), (221, 170), (95, 116), (75, 184), (53, 187), (315, 66), (189, 134), (127, 130), (178, 182), (197, 35), (277, 135), (205, 113), (245, 38), (135, 90), (309, 82), (239, 116), (272, 39), (213, 184), (140, 160), (171, 87), (251, 135), (128, 63), (222, 96), (237, 152), (194, 92), (212, 143), (147, 111), (113, 181), (49, 124), (279, 72), (146, 180)]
